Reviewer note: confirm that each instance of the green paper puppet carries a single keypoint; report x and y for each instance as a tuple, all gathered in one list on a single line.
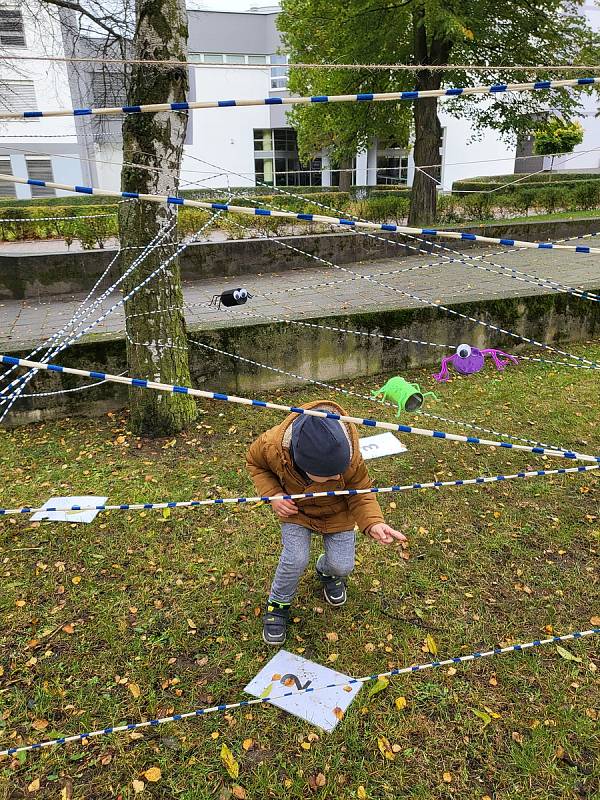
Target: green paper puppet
[(408, 396)]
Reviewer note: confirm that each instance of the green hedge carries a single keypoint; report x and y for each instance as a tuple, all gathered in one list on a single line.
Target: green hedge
[(517, 181), (378, 207)]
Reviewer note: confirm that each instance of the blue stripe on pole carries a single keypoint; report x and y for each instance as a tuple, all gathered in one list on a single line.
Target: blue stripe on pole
[(131, 195), (180, 389), (542, 85), (29, 114), (274, 101), (100, 375), (225, 103), (262, 212), (389, 227), (131, 109), (469, 236), (498, 87), (84, 189), (320, 98), (219, 206), (176, 201), (455, 91), (180, 106), (82, 112), (508, 242), (545, 245), (140, 382), (585, 81), (54, 368), (582, 249), (409, 95), (306, 217), (35, 182), (10, 360), (219, 396), (431, 231), (364, 96)]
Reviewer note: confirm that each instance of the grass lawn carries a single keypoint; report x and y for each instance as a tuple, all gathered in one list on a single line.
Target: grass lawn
[(140, 615)]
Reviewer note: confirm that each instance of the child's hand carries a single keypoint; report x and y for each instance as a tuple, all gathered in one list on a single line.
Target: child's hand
[(384, 534), (284, 508)]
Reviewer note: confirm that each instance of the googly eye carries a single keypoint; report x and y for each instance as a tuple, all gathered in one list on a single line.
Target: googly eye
[(243, 294), (463, 350)]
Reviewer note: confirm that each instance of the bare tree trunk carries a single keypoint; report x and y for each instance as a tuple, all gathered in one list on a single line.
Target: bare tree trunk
[(157, 342), (428, 142), (428, 131), (346, 175)]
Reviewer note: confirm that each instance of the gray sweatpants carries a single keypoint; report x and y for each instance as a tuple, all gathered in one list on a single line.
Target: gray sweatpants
[(337, 560)]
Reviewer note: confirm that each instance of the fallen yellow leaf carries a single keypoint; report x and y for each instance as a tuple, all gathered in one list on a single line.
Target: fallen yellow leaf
[(76, 579), (430, 645), (595, 621), (379, 685), (229, 762), (361, 793), (385, 748), (153, 774), (39, 724), (332, 636), (138, 786), (247, 744), (239, 792), (134, 689), (338, 712), (447, 777), (34, 785), (333, 657), (400, 703)]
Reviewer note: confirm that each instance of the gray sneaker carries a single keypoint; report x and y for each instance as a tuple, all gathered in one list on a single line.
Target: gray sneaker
[(334, 588), (275, 620)]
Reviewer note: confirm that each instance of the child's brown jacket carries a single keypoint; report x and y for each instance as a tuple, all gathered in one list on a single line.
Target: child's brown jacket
[(272, 470)]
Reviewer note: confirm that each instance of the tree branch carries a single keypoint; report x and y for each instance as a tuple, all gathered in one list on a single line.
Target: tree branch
[(71, 5)]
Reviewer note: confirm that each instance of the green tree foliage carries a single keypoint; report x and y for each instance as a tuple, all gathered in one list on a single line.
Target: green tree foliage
[(557, 136), (428, 33)]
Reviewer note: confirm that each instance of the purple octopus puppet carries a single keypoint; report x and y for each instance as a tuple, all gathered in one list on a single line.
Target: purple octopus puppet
[(468, 360)]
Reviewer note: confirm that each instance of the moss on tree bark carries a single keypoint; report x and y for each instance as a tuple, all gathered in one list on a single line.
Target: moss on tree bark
[(157, 341)]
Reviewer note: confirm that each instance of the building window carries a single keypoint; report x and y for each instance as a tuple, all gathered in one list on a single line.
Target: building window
[(7, 189), (392, 167), (255, 60), (17, 96), (12, 30), (276, 160), (279, 75), (40, 169), (108, 89)]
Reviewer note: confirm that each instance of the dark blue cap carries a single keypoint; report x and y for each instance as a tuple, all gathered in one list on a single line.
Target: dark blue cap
[(320, 446)]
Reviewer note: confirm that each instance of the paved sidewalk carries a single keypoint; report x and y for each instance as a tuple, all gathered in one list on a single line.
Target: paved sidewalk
[(26, 323)]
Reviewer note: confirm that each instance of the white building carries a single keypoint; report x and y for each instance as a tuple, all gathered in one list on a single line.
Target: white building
[(33, 148), (240, 58)]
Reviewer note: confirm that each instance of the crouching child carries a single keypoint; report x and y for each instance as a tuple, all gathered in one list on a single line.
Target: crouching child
[(314, 454)]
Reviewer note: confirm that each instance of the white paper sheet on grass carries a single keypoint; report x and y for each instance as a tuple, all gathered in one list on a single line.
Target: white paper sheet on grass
[(70, 516), (383, 444), (314, 707)]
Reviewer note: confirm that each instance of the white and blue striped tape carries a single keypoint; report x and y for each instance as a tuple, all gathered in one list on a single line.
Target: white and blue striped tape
[(361, 97), (75, 509), (263, 212), (202, 712), (371, 423)]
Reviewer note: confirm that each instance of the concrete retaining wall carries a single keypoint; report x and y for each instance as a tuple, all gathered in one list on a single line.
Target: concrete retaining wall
[(36, 276), (317, 353)]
